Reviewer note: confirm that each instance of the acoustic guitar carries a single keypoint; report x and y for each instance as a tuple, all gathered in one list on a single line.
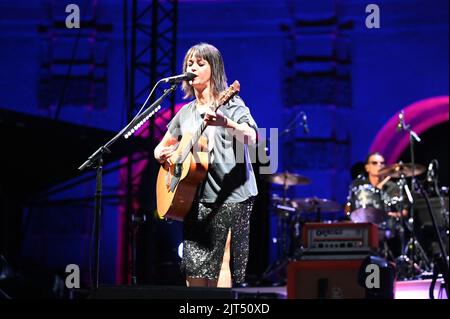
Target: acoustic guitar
[(177, 184)]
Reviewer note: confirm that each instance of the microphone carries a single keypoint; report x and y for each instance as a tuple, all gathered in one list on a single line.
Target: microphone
[(305, 123), (187, 76), (401, 121)]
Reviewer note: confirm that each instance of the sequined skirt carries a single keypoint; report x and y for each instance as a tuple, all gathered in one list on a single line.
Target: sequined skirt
[(205, 231)]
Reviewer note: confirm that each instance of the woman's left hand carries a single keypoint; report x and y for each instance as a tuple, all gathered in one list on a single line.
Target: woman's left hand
[(215, 118)]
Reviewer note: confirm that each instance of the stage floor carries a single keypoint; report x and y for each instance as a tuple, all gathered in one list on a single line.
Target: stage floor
[(406, 289), (419, 289)]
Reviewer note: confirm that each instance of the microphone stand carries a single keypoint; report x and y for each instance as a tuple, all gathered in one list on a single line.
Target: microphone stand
[(294, 124), (96, 161), (412, 137)]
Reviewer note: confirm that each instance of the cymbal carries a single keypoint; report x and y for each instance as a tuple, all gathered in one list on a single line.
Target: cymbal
[(402, 169), (288, 179), (314, 203), (368, 215)]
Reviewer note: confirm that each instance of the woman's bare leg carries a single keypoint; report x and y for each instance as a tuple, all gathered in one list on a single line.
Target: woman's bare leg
[(225, 273)]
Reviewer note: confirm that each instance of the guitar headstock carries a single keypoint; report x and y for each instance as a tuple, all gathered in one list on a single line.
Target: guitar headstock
[(226, 95)]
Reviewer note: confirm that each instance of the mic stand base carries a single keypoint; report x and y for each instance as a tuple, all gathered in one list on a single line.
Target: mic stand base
[(136, 221)]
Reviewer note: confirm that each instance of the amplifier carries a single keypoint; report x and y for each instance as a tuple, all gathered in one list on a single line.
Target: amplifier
[(324, 279), (339, 238)]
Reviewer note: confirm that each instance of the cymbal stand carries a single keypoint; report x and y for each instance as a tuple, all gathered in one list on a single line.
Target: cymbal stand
[(282, 226), (318, 211), (412, 251), (276, 268), (283, 255), (285, 188)]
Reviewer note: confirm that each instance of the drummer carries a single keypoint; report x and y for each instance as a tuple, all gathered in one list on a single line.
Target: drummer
[(389, 189), (387, 198)]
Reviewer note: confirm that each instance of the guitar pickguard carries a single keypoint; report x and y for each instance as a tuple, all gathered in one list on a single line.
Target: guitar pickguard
[(177, 170)]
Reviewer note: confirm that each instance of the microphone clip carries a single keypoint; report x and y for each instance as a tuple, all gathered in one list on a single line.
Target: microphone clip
[(402, 126)]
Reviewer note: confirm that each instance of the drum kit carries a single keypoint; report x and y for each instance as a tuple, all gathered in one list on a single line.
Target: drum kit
[(299, 205), (368, 204), (291, 212)]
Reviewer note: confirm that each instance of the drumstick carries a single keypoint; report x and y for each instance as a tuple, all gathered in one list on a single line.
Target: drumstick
[(384, 181)]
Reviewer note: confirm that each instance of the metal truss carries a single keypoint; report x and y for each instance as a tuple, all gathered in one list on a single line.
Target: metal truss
[(153, 52), (153, 56)]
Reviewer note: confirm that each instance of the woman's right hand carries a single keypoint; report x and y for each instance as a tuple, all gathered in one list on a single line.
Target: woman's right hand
[(163, 153)]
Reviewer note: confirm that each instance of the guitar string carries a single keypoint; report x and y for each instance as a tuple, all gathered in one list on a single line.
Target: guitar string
[(225, 97)]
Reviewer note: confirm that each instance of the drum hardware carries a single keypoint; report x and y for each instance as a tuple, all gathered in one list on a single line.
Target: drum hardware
[(440, 259), (284, 206), (409, 170), (413, 253), (286, 210), (287, 179), (311, 204), (289, 222), (372, 204), (316, 205), (421, 261)]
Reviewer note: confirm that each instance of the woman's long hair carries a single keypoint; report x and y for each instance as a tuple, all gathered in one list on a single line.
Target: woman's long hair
[(211, 54)]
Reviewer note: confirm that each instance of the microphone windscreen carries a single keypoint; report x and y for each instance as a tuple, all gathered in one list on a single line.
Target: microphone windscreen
[(190, 76)]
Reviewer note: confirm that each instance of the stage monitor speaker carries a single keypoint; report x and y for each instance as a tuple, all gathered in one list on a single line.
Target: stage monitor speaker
[(423, 225), (324, 279), (422, 214), (160, 292)]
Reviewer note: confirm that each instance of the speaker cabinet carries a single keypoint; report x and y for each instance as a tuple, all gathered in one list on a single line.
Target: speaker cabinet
[(324, 279)]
